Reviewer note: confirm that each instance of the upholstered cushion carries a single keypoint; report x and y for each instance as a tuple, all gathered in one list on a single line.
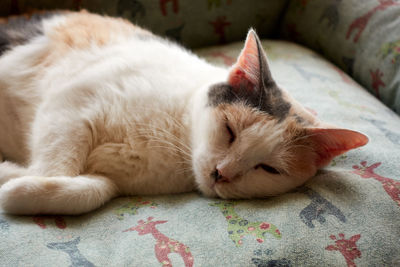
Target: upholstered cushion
[(195, 23), (363, 37), (348, 214)]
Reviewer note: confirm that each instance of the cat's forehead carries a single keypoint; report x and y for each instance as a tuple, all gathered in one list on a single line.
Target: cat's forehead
[(271, 102), (256, 123), (261, 138), (241, 116)]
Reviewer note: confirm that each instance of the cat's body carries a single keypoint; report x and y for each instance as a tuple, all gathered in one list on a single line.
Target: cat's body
[(130, 127), (93, 107)]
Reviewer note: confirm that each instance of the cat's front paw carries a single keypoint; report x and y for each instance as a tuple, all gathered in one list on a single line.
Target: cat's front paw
[(19, 196)]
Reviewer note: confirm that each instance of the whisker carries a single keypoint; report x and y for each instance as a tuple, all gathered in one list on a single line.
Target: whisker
[(169, 133), (186, 155), (168, 147), (152, 130)]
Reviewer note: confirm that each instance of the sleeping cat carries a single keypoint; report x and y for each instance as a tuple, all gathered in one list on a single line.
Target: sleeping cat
[(93, 107)]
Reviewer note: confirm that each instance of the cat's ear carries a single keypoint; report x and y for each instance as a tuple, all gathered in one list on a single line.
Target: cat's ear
[(251, 71), (329, 143)]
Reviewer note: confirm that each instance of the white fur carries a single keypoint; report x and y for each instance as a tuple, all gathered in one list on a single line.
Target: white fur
[(127, 118), (118, 110)]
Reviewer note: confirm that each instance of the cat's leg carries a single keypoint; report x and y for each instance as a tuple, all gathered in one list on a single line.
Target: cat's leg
[(56, 183), (10, 170), (56, 195)]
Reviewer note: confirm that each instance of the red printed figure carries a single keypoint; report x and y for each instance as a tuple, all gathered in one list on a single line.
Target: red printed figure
[(163, 6), (228, 61), (77, 4), (304, 3), (59, 221), (164, 245), (391, 186), (361, 22), (347, 247), (219, 27), (376, 80)]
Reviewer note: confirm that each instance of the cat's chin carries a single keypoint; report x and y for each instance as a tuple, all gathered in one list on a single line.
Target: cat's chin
[(206, 187), (214, 190)]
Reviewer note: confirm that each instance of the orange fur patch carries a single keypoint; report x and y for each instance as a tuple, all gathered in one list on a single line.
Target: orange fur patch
[(49, 185), (241, 116), (81, 30), (297, 151)]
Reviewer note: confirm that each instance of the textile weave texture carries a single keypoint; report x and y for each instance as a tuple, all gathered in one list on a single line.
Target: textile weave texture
[(362, 37), (195, 23), (347, 215)]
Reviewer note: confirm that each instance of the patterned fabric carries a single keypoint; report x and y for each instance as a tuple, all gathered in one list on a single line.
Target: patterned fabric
[(363, 37), (348, 215), (194, 23)]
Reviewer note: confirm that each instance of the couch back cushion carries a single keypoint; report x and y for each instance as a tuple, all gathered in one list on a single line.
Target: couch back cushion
[(195, 23), (362, 37)]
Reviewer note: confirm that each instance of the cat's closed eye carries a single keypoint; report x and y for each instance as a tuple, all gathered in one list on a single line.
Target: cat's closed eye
[(267, 168), (232, 136)]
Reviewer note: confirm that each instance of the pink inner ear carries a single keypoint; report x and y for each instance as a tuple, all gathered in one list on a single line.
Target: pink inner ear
[(246, 71), (329, 143)]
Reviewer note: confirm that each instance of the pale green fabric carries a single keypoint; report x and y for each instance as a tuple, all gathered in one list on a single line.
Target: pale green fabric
[(339, 218), (360, 36)]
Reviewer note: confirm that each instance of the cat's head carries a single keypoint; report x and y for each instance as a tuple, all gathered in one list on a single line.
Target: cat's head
[(253, 140)]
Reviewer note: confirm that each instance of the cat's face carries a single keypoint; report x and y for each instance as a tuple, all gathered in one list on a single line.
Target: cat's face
[(246, 153), (251, 140)]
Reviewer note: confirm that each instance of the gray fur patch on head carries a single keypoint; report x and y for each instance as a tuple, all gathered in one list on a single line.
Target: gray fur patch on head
[(274, 104), (20, 29), (257, 88), (269, 101), (221, 93)]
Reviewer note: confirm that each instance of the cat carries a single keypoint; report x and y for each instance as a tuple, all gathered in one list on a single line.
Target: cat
[(94, 107)]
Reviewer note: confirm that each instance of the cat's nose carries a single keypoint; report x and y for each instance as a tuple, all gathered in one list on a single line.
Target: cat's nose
[(218, 177)]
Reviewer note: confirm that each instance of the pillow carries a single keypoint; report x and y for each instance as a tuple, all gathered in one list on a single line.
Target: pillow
[(362, 37), (194, 23)]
